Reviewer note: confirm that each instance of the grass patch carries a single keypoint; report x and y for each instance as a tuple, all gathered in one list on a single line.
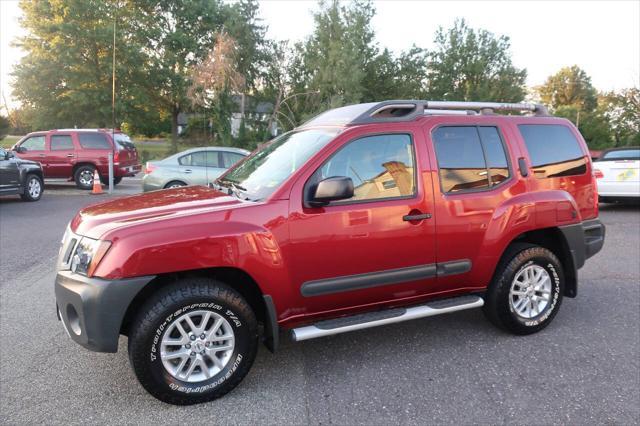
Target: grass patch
[(9, 141)]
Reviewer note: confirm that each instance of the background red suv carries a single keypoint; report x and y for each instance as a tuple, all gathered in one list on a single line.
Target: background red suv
[(77, 153)]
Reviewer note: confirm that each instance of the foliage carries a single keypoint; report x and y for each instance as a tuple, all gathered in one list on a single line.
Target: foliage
[(473, 65), (5, 125), (622, 109), (569, 87)]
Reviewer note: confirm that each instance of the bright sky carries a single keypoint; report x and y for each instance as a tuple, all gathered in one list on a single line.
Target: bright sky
[(602, 37)]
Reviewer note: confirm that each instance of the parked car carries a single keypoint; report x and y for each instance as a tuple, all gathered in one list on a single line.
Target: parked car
[(20, 177), (196, 166), (366, 215), (618, 173), (77, 153)]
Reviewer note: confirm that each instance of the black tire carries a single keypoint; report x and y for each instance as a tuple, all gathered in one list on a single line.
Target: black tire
[(156, 317), (31, 195), (498, 307), (174, 184), (81, 174), (105, 180)]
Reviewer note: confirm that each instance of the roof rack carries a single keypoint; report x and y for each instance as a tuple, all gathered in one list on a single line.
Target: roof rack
[(409, 110)]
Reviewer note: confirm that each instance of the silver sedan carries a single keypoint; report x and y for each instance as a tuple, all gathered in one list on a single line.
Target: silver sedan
[(196, 166)]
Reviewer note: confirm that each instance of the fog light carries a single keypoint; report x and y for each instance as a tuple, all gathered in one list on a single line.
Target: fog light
[(74, 320)]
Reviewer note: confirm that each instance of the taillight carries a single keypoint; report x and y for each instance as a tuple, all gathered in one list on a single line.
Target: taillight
[(598, 174), (116, 156), (150, 167)]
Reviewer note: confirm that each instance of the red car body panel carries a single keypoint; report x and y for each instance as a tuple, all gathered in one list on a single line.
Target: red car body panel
[(282, 244)]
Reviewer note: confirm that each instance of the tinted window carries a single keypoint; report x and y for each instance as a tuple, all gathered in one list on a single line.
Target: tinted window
[(200, 159), (34, 143), (380, 167), (622, 154), (61, 142), (230, 158), (460, 159), (495, 154), (93, 141), (553, 150)]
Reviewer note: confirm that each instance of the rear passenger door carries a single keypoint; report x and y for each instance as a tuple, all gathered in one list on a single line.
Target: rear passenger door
[(474, 176), (61, 156)]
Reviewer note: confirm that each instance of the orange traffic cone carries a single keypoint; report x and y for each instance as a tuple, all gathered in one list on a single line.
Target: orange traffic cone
[(97, 186)]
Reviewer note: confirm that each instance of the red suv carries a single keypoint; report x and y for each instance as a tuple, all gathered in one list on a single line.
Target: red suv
[(77, 153), (366, 215)]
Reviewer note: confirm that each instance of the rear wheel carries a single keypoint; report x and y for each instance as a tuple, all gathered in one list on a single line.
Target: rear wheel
[(105, 180), (174, 184), (193, 342), (526, 292), (33, 188), (84, 176)]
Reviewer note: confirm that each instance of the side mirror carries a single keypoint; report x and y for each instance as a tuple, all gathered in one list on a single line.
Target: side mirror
[(331, 189), (20, 149)]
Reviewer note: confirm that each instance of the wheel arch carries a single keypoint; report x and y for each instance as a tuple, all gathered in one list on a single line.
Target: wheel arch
[(236, 278), (554, 240)]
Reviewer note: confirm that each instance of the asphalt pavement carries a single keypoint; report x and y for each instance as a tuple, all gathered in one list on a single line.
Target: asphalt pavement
[(456, 368)]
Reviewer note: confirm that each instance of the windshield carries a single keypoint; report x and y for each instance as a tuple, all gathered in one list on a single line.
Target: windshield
[(262, 173)]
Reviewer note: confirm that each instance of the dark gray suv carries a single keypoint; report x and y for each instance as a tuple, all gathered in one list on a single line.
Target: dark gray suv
[(20, 177)]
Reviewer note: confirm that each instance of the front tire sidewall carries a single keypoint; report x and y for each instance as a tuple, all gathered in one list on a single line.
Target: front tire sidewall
[(146, 337), (240, 351), (27, 196)]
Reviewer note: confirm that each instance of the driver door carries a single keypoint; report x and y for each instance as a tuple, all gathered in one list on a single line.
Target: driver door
[(9, 174), (364, 250)]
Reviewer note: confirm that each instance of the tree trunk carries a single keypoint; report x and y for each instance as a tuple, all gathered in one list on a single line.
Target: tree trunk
[(174, 129)]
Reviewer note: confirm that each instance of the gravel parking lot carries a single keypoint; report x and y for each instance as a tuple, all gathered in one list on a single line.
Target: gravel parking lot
[(584, 368)]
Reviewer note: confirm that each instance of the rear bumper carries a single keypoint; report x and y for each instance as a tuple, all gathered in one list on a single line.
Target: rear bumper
[(584, 240), (619, 189), (128, 170), (92, 309)]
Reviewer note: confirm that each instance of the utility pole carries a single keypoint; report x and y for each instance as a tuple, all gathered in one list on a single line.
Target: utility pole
[(113, 107)]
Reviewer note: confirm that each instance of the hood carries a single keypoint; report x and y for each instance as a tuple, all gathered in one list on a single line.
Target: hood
[(95, 220)]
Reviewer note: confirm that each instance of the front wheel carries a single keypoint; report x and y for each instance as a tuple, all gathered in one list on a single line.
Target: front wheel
[(193, 342), (526, 292), (33, 188)]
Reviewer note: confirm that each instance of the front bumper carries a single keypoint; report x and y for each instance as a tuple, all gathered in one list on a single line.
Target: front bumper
[(92, 309)]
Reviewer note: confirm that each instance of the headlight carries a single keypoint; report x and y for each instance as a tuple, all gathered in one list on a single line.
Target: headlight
[(87, 255)]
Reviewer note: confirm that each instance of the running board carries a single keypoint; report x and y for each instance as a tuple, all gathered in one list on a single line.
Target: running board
[(388, 316)]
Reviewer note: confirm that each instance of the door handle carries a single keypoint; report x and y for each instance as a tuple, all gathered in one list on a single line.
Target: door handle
[(415, 217), (70, 155), (42, 155), (187, 171)]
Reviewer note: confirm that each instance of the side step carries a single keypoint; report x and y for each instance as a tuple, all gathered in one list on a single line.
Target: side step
[(389, 316)]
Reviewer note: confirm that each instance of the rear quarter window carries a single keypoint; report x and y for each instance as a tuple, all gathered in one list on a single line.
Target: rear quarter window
[(93, 141), (553, 150)]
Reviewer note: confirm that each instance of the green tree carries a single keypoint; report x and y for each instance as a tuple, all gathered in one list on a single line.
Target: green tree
[(569, 87), (622, 109), (473, 65)]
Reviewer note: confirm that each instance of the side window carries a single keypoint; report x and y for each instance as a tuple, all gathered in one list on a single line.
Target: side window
[(470, 158), (34, 143), (380, 166), (61, 142), (230, 158), (93, 141), (553, 150), (495, 154), (200, 159)]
